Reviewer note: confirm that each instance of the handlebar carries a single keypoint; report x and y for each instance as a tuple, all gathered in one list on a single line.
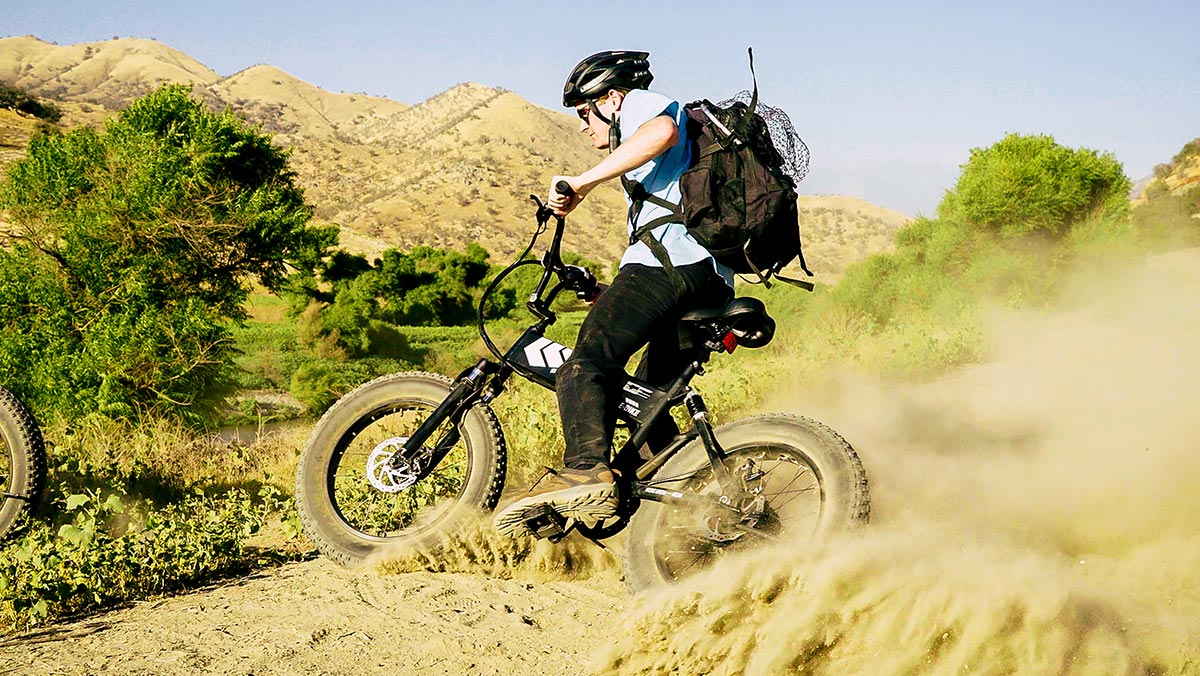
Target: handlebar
[(570, 277)]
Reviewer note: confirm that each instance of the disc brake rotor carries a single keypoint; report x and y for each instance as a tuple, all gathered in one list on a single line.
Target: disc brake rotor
[(391, 479)]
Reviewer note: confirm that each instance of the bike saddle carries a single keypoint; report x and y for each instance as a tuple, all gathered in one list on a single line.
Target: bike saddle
[(746, 318)]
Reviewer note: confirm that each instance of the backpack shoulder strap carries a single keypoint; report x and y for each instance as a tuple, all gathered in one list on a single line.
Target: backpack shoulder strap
[(638, 196)]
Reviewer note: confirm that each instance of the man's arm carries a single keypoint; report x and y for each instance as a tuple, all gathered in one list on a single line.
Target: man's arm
[(649, 141)]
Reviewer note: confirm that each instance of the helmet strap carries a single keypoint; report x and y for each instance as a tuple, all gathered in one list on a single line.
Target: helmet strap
[(614, 125), (596, 111)]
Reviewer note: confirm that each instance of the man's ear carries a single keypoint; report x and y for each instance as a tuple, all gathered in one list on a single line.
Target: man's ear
[(617, 96)]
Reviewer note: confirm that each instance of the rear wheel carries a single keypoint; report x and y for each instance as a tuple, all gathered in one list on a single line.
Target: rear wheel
[(800, 481), (22, 463), (353, 505)]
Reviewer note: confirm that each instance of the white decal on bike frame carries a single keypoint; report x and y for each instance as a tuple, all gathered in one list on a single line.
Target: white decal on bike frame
[(544, 352), (638, 390)]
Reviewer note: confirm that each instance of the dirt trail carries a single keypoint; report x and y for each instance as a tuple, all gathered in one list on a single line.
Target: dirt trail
[(1036, 514), (316, 618)]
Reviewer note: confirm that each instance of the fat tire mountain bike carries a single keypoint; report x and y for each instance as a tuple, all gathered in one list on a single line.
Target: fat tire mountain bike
[(22, 463), (407, 457)]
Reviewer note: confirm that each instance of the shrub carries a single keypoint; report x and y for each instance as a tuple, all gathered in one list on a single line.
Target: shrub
[(1024, 184), (1019, 213), (359, 305), (110, 552), (133, 249), (15, 98)]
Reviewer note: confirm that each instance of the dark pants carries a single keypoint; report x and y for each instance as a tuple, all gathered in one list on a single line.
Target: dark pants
[(641, 307)]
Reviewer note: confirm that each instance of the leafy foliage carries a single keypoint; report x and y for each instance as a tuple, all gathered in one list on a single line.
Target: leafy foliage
[(366, 301), (93, 560), (140, 509), (1026, 184), (1021, 211), (132, 250)]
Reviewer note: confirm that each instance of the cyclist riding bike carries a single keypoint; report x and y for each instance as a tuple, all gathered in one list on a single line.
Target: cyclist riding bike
[(643, 132)]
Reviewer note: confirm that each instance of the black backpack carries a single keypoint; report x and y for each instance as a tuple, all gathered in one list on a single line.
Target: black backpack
[(737, 200)]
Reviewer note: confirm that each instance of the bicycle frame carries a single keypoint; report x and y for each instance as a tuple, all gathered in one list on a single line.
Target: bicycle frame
[(537, 358)]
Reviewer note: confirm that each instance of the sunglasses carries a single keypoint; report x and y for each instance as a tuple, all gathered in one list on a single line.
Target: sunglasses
[(584, 112)]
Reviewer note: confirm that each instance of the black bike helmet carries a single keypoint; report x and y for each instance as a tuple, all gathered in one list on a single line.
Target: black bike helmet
[(598, 73)]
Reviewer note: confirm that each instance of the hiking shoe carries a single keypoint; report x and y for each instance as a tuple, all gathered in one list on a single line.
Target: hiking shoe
[(586, 495)]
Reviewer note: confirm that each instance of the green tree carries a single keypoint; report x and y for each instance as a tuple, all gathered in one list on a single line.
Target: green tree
[(1026, 184), (357, 300), (132, 248)]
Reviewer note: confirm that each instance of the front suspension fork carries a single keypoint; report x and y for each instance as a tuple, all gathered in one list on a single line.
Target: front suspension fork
[(465, 392)]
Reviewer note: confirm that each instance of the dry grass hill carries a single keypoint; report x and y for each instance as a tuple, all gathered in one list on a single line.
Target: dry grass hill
[(839, 230), (1176, 177), (454, 169)]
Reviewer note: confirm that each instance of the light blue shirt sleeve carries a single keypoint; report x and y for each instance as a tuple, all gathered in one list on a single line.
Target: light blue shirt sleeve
[(660, 177)]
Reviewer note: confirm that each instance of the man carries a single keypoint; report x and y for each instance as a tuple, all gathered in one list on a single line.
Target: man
[(643, 132)]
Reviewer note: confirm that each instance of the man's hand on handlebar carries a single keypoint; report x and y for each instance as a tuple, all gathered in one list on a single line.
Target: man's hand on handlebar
[(563, 203)]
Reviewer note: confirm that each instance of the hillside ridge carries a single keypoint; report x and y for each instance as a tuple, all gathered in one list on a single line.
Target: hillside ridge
[(455, 168)]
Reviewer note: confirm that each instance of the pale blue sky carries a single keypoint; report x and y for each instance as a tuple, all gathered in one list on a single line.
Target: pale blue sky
[(889, 98)]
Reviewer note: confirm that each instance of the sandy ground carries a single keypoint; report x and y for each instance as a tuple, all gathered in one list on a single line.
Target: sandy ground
[(317, 618)]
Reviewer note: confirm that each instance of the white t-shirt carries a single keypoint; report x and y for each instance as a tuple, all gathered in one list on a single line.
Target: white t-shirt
[(660, 177)]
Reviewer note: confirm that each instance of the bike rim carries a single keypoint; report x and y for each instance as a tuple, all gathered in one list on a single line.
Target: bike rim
[(376, 515), (689, 541)]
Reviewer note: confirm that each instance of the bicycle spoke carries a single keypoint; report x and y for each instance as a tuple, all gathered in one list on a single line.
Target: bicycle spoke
[(795, 494), (364, 506)]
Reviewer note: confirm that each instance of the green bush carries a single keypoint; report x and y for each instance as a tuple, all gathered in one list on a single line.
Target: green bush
[(134, 510), (1025, 184), (15, 98), (132, 251), (109, 552), (1020, 213), (317, 385), (364, 308), (358, 305)]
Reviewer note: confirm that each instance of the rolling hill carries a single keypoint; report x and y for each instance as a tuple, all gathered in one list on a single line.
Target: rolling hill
[(1180, 175), (454, 169)]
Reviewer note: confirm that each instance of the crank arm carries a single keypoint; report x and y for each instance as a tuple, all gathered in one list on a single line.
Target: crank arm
[(16, 496)]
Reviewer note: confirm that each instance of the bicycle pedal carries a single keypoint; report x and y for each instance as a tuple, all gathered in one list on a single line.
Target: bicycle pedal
[(549, 524)]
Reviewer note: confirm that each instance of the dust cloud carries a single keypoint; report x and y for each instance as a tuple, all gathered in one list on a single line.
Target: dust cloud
[(478, 548), (1035, 514)]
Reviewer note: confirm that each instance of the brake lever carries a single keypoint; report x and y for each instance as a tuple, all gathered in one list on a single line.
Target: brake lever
[(544, 213)]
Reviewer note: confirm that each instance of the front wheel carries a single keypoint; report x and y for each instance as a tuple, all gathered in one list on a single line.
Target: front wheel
[(798, 480), (354, 505), (22, 462)]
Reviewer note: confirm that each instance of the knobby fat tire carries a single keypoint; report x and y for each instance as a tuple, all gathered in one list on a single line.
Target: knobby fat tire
[(26, 458), (839, 472), (486, 461)]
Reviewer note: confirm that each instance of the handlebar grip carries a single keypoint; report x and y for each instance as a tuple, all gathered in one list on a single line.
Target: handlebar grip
[(564, 188)]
